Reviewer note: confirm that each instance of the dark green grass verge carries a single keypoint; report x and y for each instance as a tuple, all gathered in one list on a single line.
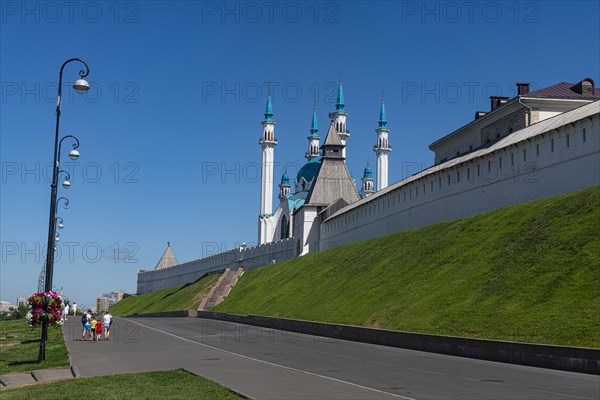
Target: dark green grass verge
[(528, 272), (171, 299), (148, 385), (19, 348)]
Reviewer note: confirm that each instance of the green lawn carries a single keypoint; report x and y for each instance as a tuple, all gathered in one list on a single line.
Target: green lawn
[(149, 385), (171, 299), (19, 347), (528, 272)]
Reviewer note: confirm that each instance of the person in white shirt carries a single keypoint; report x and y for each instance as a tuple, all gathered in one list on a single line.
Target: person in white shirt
[(106, 321), (65, 312), (85, 320)]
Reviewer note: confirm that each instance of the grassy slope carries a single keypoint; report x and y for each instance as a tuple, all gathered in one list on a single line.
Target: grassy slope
[(149, 385), (19, 346), (529, 272), (171, 299)]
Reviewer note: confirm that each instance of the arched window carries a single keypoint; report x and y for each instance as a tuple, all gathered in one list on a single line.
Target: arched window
[(285, 228)]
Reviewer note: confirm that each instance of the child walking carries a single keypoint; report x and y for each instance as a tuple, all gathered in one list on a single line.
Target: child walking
[(98, 329), (93, 324)]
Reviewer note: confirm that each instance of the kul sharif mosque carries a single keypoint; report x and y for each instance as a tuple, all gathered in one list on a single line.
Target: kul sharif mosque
[(323, 185)]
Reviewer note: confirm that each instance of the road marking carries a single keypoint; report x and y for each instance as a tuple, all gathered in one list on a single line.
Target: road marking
[(273, 364), (335, 355), (382, 363), (424, 370), (561, 394), (480, 381)]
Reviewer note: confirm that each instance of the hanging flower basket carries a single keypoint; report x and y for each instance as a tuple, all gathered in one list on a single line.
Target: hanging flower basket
[(39, 311)]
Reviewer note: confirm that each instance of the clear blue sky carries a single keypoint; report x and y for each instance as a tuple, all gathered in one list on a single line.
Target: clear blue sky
[(170, 128)]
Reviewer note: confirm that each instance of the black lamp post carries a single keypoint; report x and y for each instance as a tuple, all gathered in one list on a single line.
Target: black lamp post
[(81, 86)]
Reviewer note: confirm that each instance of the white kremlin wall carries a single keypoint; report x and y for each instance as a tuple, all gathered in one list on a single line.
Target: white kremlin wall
[(248, 258), (551, 157)]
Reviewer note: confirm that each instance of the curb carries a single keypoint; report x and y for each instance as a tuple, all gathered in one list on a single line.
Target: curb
[(165, 314), (74, 369)]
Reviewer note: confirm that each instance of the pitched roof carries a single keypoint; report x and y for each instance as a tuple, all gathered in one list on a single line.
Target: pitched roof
[(333, 180), (563, 90), (333, 137), (168, 259)]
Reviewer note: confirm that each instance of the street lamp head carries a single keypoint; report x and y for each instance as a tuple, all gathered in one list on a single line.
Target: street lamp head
[(60, 225), (66, 184), (73, 154), (81, 86)]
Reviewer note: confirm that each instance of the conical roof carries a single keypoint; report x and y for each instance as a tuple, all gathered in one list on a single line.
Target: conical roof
[(339, 105), (382, 116), (333, 137), (269, 107), (333, 180), (367, 173), (314, 129), (168, 259)]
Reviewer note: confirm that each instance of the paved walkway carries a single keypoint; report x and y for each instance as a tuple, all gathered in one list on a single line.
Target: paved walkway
[(135, 348), (42, 375), (267, 364)]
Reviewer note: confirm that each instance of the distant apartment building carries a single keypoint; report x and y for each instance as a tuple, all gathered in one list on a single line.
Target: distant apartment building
[(102, 304), (108, 300), (114, 297)]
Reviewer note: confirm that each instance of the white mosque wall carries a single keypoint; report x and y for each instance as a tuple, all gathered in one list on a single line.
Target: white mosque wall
[(249, 258), (561, 160), (306, 231)]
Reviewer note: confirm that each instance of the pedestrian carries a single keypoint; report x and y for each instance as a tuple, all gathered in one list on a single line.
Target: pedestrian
[(88, 315), (107, 323), (93, 323), (98, 330), (65, 312), (85, 321)]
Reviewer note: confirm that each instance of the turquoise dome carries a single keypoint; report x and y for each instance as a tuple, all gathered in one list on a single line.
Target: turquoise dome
[(367, 172), (309, 170)]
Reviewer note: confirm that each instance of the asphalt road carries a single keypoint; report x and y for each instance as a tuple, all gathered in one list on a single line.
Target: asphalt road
[(270, 364)]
